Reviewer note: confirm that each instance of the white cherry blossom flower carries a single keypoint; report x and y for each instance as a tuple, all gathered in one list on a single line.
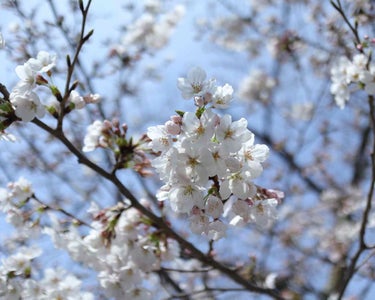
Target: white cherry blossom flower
[(195, 84), (77, 100), (192, 162), (20, 190), (184, 196), (27, 75), (241, 186), (45, 61), (263, 212), (239, 212), (222, 96), (91, 140), (216, 230), (199, 223), (214, 206), (218, 164), (232, 135), (144, 258), (160, 139), (199, 130), (27, 106)]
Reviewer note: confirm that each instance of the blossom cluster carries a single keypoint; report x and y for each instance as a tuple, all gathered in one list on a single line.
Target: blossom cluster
[(148, 32), (13, 199), (26, 102), (208, 162), (345, 72), (17, 282), (120, 247), (19, 277), (23, 97), (113, 136)]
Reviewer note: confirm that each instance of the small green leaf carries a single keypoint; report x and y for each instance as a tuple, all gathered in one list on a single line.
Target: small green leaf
[(6, 107), (180, 113), (200, 112)]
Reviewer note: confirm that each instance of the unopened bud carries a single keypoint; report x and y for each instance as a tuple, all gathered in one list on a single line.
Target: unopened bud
[(92, 98), (40, 80), (107, 125), (199, 101), (196, 210), (116, 123), (172, 128), (176, 119), (207, 98), (125, 127)]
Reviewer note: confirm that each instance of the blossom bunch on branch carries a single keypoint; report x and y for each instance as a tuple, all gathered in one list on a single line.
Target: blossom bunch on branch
[(208, 162)]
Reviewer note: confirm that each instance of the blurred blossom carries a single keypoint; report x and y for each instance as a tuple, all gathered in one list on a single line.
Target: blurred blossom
[(7, 137), (13, 27), (2, 41), (150, 33), (302, 111), (152, 6), (257, 86)]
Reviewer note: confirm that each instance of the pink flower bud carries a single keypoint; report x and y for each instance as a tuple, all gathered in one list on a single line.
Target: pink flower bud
[(176, 119), (115, 123), (172, 128), (92, 98), (199, 101), (107, 125), (207, 98)]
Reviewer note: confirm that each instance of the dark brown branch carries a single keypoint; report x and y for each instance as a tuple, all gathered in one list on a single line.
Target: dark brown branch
[(360, 163), (166, 279), (352, 268), (4, 91), (63, 211)]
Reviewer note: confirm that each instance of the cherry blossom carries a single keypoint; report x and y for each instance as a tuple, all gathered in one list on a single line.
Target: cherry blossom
[(195, 84), (27, 106)]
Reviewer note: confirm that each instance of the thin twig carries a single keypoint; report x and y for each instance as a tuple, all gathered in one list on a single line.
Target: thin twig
[(71, 65), (353, 29), (63, 211)]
